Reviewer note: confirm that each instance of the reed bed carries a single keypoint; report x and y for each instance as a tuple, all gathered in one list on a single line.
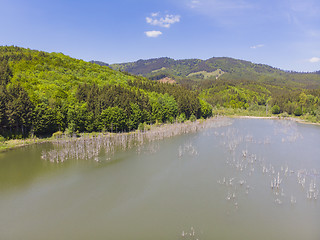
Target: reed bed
[(89, 147)]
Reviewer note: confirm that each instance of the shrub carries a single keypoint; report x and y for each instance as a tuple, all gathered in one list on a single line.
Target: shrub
[(2, 139), (192, 118), (58, 134), (141, 127), (181, 118), (298, 112), (275, 109), (284, 114)]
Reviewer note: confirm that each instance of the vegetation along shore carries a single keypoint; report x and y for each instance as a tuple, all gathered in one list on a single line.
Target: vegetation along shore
[(42, 94)]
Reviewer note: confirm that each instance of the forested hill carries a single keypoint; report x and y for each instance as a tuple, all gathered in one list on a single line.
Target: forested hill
[(217, 67), (41, 93), (230, 83)]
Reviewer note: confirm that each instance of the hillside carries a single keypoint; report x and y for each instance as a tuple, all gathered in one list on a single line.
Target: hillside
[(237, 84), (41, 93), (217, 67)]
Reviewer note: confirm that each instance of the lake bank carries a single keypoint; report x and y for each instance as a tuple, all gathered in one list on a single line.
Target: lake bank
[(16, 143), (163, 130), (303, 121)]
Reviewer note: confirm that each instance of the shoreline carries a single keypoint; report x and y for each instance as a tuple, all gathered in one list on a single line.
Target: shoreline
[(298, 120), (17, 143)]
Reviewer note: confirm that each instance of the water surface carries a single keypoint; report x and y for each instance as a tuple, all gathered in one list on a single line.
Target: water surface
[(214, 184)]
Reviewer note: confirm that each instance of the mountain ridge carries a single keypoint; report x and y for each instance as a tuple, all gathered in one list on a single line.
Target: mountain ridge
[(184, 59), (231, 69)]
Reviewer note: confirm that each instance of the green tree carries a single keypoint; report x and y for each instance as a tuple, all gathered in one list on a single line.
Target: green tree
[(5, 72), (19, 110), (275, 109), (206, 109), (298, 111), (136, 116), (45, 121), (193, 118), (77, 116), (113, 119)]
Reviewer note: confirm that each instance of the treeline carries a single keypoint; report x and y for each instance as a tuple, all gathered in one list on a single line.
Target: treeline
[(42, 93), (250, 95)]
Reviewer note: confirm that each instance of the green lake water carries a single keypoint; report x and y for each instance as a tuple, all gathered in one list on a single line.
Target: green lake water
[(214, 184)]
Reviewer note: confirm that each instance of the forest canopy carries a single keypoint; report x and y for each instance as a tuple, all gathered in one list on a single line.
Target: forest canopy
[(41, 93)]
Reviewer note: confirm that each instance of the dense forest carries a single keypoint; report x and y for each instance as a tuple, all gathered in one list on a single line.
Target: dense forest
[(237, 84), (42, 93)]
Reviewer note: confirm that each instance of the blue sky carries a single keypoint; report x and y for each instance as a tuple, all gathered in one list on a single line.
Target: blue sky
[(281, 33)]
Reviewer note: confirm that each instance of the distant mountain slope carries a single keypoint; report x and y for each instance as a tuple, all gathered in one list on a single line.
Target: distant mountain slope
[(100, 63), (188, 66), (217, 67)]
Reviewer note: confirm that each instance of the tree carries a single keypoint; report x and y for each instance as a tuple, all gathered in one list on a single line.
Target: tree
[(298, 112), (275, 109), (113, 119), (44, 120), (193, 118), (3, 100), (77, 116), (5, 72), (135, 117), (19, 110), (206, 109)]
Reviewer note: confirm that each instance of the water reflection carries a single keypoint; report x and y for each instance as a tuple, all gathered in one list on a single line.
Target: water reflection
[(238, 179), (247, 162)]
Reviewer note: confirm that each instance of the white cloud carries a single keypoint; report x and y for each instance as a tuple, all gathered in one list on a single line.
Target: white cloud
[(153, 34), (155, 14), (257, 46), (314, 60), (194, 3), (165, 21)]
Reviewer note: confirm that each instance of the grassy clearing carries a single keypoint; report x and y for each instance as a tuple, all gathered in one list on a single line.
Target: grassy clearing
[(14, 143), (229, 112), (206, 74)]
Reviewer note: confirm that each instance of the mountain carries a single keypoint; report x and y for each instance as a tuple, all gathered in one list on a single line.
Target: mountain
[(189, 67), (41, 93), (231, 83), (100, 63), (217, 68)]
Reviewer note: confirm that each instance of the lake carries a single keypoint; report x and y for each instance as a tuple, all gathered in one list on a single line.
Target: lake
[(244, 179)]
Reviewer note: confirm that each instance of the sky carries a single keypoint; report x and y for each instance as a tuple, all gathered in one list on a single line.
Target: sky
[(281, 33)]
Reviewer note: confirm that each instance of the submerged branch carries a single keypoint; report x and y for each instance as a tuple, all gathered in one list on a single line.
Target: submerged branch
[(89, 147)]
